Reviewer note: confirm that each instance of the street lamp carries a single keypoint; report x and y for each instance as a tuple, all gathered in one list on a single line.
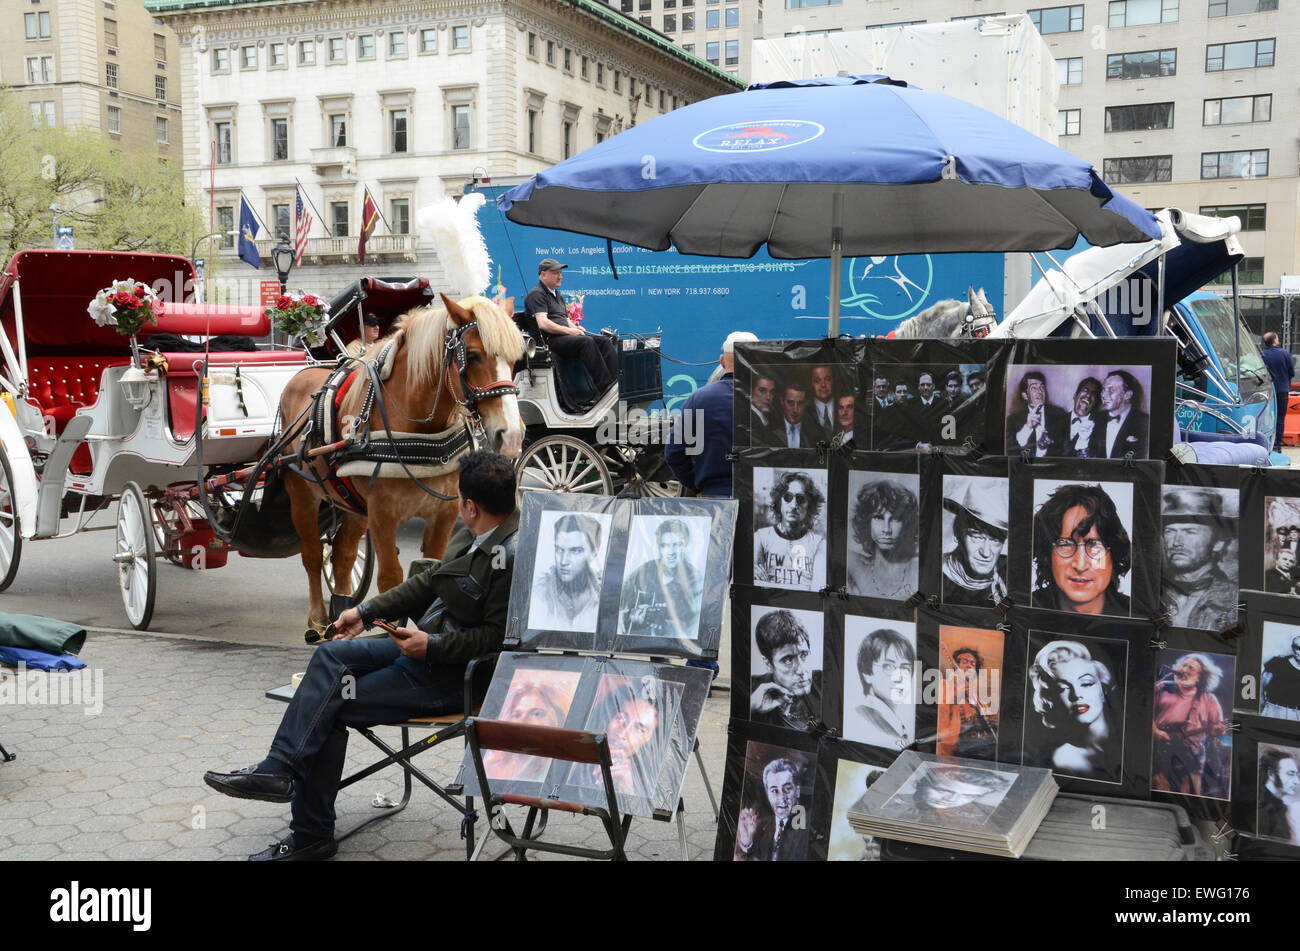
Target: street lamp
[(282, 256), (58, 213)]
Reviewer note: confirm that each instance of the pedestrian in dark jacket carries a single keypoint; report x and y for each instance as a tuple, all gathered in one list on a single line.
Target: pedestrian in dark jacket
[(1281, 367), (703, 466), (410, 673)]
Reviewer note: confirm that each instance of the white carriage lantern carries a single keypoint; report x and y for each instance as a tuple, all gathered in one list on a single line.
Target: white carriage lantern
[(137, 385)]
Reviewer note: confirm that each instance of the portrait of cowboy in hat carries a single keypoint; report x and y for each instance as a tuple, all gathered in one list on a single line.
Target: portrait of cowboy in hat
[(1199, 589), (975, 566)]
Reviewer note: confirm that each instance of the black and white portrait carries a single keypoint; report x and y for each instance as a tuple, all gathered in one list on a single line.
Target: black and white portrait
[(1074, 411), (1074, 711), (975, 529), (884, 533), (571, 550), (1281, 543), (951, 796), (790, 528), (1280, 673), (1082, 550), (1199, 582), (1278, 801), (798, 405), (775, 805), (785, 667), (918, 406), (846, 844), (880, 667), (663, 581)]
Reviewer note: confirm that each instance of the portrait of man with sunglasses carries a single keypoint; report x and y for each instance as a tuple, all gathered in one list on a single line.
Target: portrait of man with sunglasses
[(789, 552), (1081, 553)]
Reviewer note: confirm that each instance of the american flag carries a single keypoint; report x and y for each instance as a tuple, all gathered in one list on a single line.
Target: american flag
[(301, 229)]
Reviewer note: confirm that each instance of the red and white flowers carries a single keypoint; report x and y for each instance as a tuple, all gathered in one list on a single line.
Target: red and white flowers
[(126, 306), (299, 315)]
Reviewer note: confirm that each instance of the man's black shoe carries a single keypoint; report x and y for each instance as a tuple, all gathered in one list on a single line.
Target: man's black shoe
[(247, 784), (285, 851)]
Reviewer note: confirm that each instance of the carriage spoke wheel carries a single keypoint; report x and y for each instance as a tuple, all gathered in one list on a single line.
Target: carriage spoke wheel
[(137, 568), (363, 568), (563, 464), (11, 537)]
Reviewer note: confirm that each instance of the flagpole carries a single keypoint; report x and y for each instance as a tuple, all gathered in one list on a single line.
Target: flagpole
[(301, 189), (245, 200), (378, 210)]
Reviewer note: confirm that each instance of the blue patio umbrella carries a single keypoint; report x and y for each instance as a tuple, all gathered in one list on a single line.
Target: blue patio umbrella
[(859, 165)]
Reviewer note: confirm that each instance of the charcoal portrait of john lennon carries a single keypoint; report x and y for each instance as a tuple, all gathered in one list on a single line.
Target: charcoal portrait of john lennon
[(790, 528)]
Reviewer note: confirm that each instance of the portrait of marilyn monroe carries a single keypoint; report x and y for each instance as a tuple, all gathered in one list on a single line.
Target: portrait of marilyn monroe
[(1077, 724)]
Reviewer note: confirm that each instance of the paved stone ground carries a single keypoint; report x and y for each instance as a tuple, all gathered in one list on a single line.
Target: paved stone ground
[(128, 783)]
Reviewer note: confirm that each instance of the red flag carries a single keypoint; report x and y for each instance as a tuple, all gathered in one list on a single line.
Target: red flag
[(369, 218)]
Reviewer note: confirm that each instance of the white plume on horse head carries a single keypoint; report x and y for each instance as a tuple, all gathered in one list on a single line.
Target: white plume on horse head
[(452, 228)]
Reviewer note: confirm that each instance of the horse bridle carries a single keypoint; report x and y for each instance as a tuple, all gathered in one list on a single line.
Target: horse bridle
[(457, 355)]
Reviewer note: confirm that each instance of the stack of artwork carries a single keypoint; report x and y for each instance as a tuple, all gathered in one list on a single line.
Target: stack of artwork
[(990, 558)]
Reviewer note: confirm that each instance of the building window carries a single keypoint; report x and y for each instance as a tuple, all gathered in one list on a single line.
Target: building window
[(110, 34), (399, 215), (626, 6), (732, 50), (689, 48), (110, 75), (283, 224), (276, 58), (115, 120), (1058, 19), (160, 47), (645, 6), (670, 4), (532, 130), (618, 81), (338, 130), (397, 127), (688, 20), (223, 135), (550, 52), (1238, 109), (40, 69), (220, 59), (279, 140), (670, 23), (339, 219), (584, 67), (1249, 271), (1246, 55), (1141, 117), (225, 225), (647, 93), (160, 88), (42, 112), (1069, 72), (733, 16), (568, 139), (532, 45), (711, 52), (1149, 64), (1232, 8), (800, 4), (1253, 217), (460, 127), (1140, 12), (366, 46), (306, 52), (711, 19), (1248, 163), (568, 60), (428, 41), (1138, 168), (459, 38), (1067, 122), (160, 129), (37, 26), (600, 74), (248, 57), (396, 44), (338, 52)]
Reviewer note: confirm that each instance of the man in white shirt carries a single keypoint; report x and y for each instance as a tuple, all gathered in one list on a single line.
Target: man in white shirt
[(821, 410), (1087, 397), (796, 431), (1121, 427)]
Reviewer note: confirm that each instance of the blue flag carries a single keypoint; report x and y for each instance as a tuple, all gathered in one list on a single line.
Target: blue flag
[(247, 232)]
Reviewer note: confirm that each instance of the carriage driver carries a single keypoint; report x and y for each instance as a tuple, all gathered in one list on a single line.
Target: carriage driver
[(408, 674), (567, 341)]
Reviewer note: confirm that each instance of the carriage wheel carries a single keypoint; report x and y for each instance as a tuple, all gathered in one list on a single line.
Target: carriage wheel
[(137, 568), (363, 569), (563, 464), (647, 475), (11, 536)]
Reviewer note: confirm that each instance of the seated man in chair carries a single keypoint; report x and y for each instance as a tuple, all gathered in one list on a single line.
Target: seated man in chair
[(389, 680), (568, 342)]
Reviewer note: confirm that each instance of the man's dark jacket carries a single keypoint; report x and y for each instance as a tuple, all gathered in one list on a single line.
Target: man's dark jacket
[(476, 593)]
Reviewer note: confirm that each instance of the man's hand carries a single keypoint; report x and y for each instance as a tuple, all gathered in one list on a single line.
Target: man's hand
[(412, 642), (576, 331), (348, 625), (767, 698), (746, 827)]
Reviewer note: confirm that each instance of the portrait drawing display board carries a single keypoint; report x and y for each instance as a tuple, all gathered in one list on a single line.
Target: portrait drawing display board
[(1191, 747), (1268, 659), (879, 502), (1097, 399), (1266, 782), (923, 394), (1270, 531), (781, 535), (649, 713), (644, 576), (967, 539), (1082, 701), (1092, 529), (768, 796), (1201, 531), (796, 394)]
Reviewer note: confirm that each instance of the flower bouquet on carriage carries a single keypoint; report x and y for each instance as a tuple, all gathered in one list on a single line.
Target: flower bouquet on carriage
[(126, 307), (299, 315)]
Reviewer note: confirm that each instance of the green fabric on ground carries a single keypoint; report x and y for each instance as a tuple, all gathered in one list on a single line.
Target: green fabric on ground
[(41, 633)]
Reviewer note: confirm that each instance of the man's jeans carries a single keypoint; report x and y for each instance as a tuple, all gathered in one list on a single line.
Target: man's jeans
[(352, 683)]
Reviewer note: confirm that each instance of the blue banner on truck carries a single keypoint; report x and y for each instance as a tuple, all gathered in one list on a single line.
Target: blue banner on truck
[(697, 301)]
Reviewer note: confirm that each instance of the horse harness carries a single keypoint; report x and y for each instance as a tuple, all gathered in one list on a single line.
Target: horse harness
[(394, 453)]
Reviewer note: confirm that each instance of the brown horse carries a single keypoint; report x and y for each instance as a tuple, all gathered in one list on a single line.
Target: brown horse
[(451, 370)]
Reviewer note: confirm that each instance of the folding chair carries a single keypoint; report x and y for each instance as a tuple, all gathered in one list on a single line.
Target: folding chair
[(572, 746), (450, 793), (5, 755)]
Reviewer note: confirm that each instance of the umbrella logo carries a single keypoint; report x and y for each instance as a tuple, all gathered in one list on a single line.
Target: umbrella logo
[(888, 287), (758, 136)]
